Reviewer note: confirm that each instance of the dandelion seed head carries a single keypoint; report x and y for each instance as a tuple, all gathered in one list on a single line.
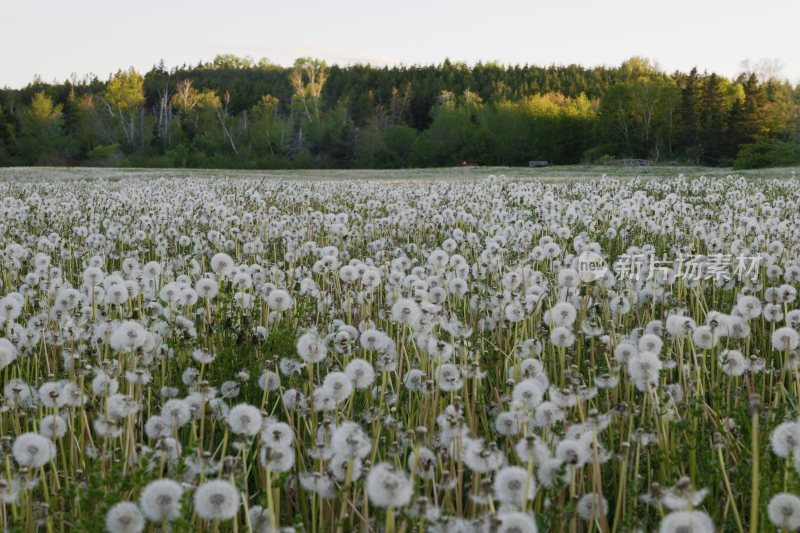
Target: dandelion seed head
[(216, 500), (33, 450), (124, 517), (160, 500)]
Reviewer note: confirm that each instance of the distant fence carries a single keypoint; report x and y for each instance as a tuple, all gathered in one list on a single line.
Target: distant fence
[(631, 162)]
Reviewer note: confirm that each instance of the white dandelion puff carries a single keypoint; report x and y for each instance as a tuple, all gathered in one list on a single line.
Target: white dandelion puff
[(160, 500), (216, 500), (124, 517)]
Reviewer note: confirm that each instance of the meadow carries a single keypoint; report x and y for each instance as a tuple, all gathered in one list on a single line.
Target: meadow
[(504, 350)]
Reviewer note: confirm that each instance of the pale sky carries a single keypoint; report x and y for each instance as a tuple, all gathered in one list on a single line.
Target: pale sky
[(57, 38)]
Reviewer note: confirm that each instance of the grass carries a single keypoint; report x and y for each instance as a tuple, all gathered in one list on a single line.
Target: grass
[(553, 173), (617, 419)]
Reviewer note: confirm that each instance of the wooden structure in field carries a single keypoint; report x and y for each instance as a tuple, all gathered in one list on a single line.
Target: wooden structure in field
[(631, 162)]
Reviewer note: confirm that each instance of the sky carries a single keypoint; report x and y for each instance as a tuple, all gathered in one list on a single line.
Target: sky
[(54, 39)]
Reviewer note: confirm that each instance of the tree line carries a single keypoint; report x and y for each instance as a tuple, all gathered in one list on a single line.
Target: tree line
[(235, 112)]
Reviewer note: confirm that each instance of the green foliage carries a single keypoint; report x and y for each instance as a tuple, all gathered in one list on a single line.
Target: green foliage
[(767, 153), (124, 91), (103, 150), (395, 148), (42, 112), (241, 113)]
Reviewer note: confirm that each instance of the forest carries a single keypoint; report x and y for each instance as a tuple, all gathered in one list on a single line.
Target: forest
[(236, 112)]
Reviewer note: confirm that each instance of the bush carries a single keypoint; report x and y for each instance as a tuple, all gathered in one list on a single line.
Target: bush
[(767, 153)]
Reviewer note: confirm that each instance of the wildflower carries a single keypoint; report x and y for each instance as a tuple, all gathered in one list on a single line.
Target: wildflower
[(406, 311), (568, 278), (339, 385), (8, 352), (686, 522), (440, 351), (176, 412), (160, 500), (749, 306), (373, 340), (513, 486), (414, 380), (230, 389), (528, 392), (277, 458), (680, 326), (323, 399), (33, 450), (259, 519), (268, 381), (508, 423), (785, 338), (785, 439), (111, 428), (216, 500), (277, 434), (562, 397), (624, 351), (157, 427), (289, 366), (222, 264), (514, 312), (482, 458), (513, 522), (425, 461), (644, 369), (128, 336), (207, 288), (783, 511), (350, 441), (245, 419), (448, 376), (773, 312), (152, 269), (339, 465), (9, 490), (606, 381), (124, 517), (320, 484), (589, 506), (552, 471), (279, 300), (294, 399), (547, 414), (704, 337), (733, 362), (387, 487), (190, 377), (562, 314), (562, 337), (53, 427), (573, 451), (650, 343), (121, 405), (50, 394), (683, 496), (311, 348), (203, 356), (104, 385)]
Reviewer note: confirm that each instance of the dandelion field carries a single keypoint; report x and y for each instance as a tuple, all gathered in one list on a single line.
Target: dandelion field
[(203, 353)]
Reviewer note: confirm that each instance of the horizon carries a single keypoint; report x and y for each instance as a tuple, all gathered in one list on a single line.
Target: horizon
[(757, 67), (355, 32)]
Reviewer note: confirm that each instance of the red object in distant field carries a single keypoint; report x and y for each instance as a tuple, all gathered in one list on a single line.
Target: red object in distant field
[(468, 164)]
